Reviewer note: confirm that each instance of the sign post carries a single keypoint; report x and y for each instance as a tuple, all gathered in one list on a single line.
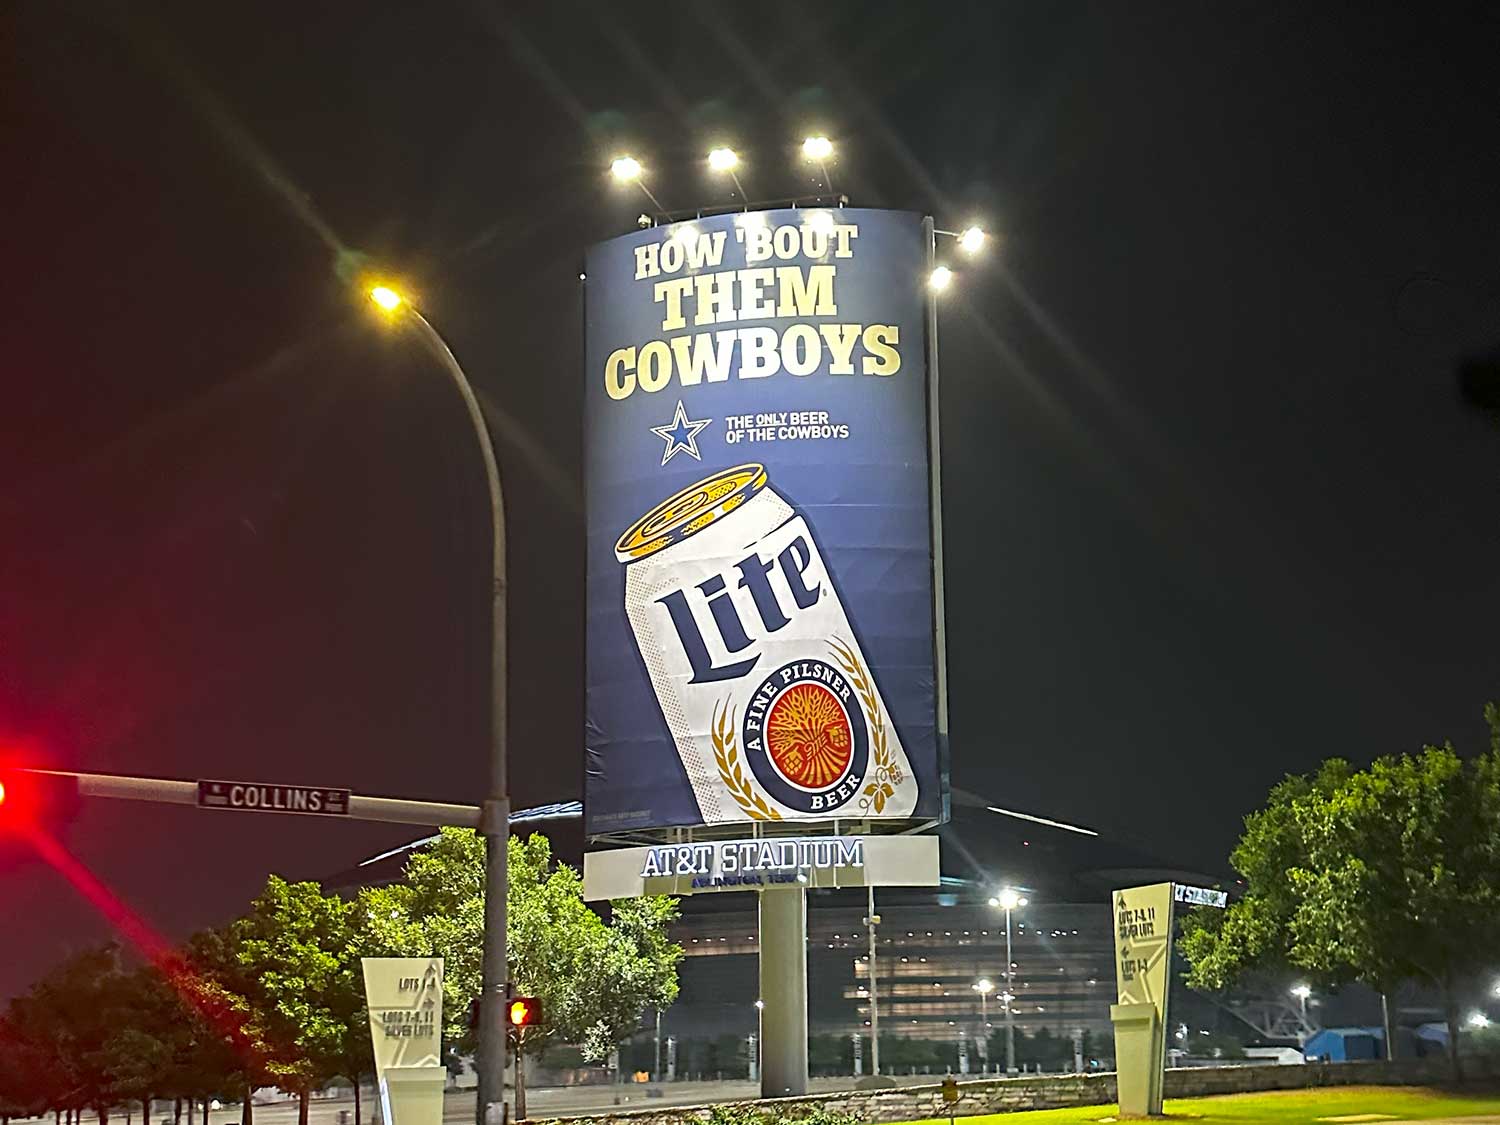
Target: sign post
[(1143, 961), (404, 996)]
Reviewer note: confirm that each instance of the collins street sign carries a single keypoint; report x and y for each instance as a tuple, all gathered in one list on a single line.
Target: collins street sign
[(251, 797), (1199, 896)]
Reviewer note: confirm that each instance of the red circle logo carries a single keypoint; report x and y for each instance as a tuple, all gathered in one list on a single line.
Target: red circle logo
[(808, 737)]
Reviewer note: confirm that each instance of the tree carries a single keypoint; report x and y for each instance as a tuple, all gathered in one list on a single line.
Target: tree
[(1379, 875), (67, 1018), (594, 979), (225, 994), (27, 1074), (295, 951)]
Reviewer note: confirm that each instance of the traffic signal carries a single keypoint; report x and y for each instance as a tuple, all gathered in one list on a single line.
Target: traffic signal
[(523, 1011), (32, 803), (36, 798)]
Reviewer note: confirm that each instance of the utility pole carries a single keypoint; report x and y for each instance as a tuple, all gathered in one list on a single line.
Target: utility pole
[(871, 921)]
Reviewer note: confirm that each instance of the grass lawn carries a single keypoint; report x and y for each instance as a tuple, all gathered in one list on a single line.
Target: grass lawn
[(1283, 1107)]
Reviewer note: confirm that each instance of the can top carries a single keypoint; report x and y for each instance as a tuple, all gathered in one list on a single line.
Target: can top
[(690, 511)]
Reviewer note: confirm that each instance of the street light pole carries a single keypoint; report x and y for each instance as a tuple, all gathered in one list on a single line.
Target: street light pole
[(1302, 992), (1010, 997), (494, 822), (984, 987), (1008, 899)]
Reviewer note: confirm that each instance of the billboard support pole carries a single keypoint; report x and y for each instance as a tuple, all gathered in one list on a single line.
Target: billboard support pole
[(935, 481), (783, 990)]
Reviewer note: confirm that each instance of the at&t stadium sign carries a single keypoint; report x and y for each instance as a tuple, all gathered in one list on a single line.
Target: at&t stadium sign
[(762, 640), (753, 863)]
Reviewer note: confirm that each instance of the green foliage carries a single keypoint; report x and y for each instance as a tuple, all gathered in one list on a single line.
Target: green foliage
[(294, 951), (1380, 875), (744, 1114), (595, 980), (68, 1019), (437, 910), (738, 1113)]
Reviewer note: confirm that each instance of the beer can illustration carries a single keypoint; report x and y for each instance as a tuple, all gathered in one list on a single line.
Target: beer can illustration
[(755, 666)]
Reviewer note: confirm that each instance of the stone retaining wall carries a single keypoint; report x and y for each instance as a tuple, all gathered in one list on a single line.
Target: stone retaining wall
[(999, 1095)]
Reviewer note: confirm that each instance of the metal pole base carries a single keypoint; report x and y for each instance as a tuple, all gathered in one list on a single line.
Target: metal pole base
[(783, 989)]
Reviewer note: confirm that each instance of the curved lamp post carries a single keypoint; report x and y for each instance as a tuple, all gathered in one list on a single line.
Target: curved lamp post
[(495, 819)]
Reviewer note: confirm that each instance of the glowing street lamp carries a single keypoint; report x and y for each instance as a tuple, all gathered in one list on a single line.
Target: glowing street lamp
[(386, 297), (727, 160), (938, 280), (627, 170), (971, 240), (817, 148)]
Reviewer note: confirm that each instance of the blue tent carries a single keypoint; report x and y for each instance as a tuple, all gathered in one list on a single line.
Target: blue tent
[(1345, 1044)]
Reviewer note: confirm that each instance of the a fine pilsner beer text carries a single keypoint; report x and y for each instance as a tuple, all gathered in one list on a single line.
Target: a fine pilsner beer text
[(758, 673)]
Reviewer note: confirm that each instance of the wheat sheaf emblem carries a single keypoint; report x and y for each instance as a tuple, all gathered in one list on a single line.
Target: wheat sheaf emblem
[(888, 775), (727, 759)]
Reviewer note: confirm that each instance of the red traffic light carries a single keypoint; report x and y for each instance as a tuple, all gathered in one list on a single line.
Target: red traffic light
[(523, 1011), (31, 799)]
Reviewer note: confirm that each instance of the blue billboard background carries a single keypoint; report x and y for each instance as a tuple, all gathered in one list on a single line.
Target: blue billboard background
[(860, 477)]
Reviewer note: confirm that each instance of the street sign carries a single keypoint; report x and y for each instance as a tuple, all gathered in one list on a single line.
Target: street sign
[(1199, 896), (247, 796)]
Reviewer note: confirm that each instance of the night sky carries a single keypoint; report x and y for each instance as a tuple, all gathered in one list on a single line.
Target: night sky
[(1216, 508)]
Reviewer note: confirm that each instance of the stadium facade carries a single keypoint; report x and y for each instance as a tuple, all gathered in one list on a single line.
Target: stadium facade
[(933, 945)]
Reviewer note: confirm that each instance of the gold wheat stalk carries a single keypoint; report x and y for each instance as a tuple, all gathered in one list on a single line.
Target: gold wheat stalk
[(879, 790), (727, 758)]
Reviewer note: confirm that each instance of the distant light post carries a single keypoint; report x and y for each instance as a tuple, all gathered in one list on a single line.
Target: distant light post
[(818, 149), (757, 1038), (1009, 899), (871, 921), (627, 170), (984, 986), (495, 817), (1302, 992), (726, 160)]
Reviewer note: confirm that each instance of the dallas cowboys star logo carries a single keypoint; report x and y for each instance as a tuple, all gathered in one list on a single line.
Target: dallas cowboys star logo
[(680, 434)]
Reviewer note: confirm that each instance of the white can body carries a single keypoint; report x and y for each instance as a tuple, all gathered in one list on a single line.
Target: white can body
[(744, 639)]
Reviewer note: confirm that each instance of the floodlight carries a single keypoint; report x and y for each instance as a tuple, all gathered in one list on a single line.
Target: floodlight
[(817, 148)]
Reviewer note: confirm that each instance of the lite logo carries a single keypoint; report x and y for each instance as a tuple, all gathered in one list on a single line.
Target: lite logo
[(778, 586)]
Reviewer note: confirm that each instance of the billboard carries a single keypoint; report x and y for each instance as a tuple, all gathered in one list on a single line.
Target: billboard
[(761, 635)]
